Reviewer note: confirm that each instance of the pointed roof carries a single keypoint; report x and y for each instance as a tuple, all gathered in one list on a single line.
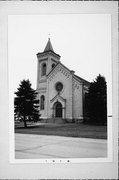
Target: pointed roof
[(48, 49), (48, 46)]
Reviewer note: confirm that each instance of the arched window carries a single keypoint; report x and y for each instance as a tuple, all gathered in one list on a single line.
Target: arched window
[(43, 69), (53, 65), (42, 102)]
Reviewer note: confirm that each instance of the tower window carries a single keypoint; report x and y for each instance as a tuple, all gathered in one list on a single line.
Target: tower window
[(53, 65), (43, 69), (42, 102)]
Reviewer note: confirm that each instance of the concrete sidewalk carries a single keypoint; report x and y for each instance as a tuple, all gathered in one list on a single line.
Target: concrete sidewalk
[(29, 146)]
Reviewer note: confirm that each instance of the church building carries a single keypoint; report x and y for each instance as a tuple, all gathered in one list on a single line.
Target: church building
[(60, 91)]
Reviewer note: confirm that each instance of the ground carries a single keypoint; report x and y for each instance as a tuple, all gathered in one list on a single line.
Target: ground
[(67, 130), (29, 146), (44, 140)]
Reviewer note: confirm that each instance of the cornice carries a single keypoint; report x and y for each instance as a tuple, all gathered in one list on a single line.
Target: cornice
[(48, 53)]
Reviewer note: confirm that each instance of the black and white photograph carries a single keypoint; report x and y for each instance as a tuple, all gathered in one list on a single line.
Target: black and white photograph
[(61, 94), (62, 85)]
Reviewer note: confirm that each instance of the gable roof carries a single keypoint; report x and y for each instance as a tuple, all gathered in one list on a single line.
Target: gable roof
[(56, 66), (75, 76)]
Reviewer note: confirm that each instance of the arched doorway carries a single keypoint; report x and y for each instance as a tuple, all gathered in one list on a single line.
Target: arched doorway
[(58, 109)]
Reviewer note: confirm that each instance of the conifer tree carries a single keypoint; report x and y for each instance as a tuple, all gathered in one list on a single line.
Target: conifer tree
[(26, 103), (96, 102)]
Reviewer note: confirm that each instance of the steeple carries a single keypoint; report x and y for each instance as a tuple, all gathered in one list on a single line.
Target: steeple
[(48, 51), (48, 46)]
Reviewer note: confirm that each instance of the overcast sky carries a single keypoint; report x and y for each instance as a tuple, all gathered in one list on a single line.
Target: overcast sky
[(82, 40)]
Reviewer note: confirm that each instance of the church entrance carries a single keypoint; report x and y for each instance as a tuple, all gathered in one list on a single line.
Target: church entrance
[(58, 110)]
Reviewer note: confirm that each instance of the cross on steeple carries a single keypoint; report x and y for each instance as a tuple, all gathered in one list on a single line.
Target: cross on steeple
[(49, 36)]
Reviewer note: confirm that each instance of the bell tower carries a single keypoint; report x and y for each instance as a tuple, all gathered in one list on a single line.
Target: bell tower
[(46, 61)]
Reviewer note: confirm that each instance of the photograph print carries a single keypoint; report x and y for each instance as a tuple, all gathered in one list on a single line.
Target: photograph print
[(60, 85)]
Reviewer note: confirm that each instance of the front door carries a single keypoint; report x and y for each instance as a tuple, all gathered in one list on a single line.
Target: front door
[(58, 110)]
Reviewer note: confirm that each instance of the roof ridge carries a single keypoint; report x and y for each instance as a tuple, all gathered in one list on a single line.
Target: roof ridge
[(81, 78)]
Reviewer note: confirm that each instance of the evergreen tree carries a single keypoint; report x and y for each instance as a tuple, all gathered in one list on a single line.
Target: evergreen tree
[(96, 102), (26, 103)]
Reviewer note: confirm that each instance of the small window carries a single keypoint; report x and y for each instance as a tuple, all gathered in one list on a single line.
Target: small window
[(43, 69), (42, 102), (53, 65)]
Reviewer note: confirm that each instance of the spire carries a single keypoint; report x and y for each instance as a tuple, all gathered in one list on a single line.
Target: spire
[(48, 46)]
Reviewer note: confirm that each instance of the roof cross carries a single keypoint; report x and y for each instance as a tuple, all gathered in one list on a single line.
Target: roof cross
[(49, 36)]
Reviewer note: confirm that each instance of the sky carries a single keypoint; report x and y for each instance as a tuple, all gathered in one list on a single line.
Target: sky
[(82, 40)]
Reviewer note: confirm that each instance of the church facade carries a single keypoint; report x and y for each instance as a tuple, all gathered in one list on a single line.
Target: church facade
[(60, 91)]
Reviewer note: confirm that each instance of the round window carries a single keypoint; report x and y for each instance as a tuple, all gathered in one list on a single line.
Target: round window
[(59, 86)]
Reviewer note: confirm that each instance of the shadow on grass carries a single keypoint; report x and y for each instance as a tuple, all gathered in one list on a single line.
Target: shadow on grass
[(30, 127), (68, 130)]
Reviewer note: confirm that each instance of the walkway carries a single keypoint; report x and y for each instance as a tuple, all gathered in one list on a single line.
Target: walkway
[(29, 146)]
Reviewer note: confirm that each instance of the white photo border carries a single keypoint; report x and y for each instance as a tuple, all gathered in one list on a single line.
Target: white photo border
[(8, 8)]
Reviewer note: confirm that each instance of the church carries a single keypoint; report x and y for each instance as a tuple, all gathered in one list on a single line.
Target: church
[(60, 91)]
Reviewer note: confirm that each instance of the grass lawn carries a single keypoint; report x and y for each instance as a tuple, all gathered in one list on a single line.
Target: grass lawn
[(69, 130)]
